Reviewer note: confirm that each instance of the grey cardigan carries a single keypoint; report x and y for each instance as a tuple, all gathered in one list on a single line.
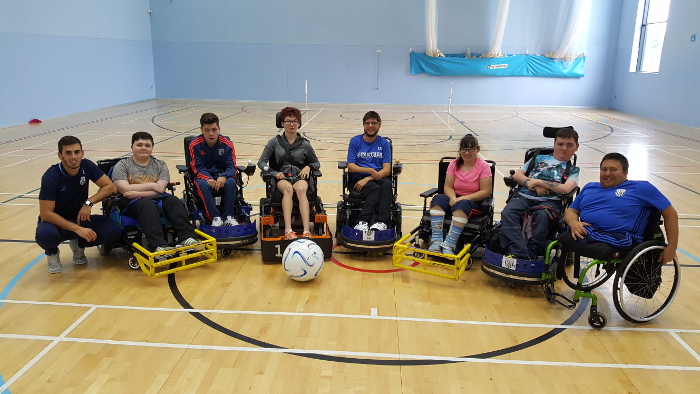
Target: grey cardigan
[(301, 154)]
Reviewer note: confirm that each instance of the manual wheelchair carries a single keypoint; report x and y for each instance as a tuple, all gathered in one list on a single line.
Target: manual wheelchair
[(477, 231), (642, 287), (349, 209), (132, 240), (272, 239), (517, 271), (227, 237)]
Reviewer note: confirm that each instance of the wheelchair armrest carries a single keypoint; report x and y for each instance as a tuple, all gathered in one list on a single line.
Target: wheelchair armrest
[(342, 165), (398, 167), (250, 169), (171, 186), (317, 173), (429, 192), (181, 168), (266, 176)]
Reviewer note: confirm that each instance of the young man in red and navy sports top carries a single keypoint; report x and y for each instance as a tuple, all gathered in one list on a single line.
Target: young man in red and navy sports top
[(213, 160)]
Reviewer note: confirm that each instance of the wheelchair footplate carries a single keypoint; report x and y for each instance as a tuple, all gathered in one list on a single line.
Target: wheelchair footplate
[(156, 264), (229, 237), (524, 272), (405, 251), (371, 241), (273, 243)]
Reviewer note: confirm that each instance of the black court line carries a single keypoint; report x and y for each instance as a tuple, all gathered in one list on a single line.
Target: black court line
[(368, 361), (464, 124)]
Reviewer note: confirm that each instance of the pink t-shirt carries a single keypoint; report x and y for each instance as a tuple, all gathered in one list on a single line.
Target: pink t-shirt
[(467, 183)]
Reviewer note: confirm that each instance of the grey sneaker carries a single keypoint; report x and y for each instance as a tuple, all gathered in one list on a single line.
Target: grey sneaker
[(165, 256), (78, 252), (362, 226), (54, 263)]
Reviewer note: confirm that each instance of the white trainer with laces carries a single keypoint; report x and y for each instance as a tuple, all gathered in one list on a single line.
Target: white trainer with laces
[(379, 226), (230, 221), (217, 222), (362, 226)]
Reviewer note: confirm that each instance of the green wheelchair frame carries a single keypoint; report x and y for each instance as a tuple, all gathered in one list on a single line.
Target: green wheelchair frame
[(625, 269)]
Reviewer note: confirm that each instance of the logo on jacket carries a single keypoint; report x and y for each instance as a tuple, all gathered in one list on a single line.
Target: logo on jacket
[(201, 152), (82, 180), (620, 192), (221, 152)]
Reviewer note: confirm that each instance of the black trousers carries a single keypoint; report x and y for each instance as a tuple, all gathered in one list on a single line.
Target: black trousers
[(377, 195), (148, 215)]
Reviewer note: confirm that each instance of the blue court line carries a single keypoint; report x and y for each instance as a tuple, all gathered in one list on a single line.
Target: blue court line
[(688, 254), (8, 288), (2, 383)]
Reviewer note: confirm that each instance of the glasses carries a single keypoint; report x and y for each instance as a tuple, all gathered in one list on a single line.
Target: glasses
[(371, 123), (467, 150), (291, 122)]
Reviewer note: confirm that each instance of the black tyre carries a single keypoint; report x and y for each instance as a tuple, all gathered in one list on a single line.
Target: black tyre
[(597, 320), (595, 276), (133, 263), (105, 249), (470, 263), (643, 288), (226, 251)]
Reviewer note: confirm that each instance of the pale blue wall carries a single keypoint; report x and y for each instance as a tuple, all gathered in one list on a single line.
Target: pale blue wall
[(264, 50), (68, 56), (673, 94)]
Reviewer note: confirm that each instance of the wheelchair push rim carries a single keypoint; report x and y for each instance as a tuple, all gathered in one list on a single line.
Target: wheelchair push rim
[(635, 308)]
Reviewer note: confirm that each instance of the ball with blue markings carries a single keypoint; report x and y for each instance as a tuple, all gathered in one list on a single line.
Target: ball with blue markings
[(302, 260)]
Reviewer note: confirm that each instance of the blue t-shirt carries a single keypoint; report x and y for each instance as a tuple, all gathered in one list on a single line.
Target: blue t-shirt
[(547, 168), (624, 208), (69, 192), (370, 155)]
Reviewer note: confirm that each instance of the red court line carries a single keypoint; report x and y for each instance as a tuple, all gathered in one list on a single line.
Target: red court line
[(336, 262)]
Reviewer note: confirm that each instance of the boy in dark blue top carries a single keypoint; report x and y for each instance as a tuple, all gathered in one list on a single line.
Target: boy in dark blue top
[(64, 206), (213, 160), (616, 211), (369, 159)]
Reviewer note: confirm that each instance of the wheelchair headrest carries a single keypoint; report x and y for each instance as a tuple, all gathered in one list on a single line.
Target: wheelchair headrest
[(278, 121), (187, 142), (107, 165), (551, 132)]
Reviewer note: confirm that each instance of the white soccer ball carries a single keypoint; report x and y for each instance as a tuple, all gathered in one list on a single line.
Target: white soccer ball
[(302, 260)]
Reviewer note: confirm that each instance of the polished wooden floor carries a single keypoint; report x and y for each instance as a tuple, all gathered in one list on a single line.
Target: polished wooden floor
[(104, 328)]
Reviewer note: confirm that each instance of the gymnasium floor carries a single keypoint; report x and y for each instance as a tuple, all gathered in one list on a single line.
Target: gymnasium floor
[(357, 328)]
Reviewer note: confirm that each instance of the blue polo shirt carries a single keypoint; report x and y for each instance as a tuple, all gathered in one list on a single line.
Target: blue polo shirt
[(68, 192)]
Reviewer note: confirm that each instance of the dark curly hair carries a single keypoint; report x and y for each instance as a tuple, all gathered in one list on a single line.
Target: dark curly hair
[(290, 111)]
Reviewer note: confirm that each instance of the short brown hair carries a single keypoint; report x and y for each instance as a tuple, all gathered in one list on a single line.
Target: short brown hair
[(371, 115), (208, 118), (141, 135), (566, 133), (68, 140), (290, 111)]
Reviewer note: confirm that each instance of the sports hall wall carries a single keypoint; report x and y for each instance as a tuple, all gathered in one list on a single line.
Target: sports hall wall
[(673, 94), (68, 56), (265, 50)]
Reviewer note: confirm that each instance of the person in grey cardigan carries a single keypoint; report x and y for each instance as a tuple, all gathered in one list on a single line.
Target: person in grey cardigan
[(295, 160)]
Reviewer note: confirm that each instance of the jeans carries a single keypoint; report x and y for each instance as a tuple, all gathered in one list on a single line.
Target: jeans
[(511, 238)]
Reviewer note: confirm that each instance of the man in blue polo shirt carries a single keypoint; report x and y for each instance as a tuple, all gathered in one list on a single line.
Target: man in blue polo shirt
[(616, 211), (65, 208), (369, 159)]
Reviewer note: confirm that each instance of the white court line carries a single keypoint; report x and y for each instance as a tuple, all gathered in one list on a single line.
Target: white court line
[(312, 118), (608, 124), (667, 152), (686, 346), (41, 354), (335, 315), (348, 354), (443, 121), (373, 312)]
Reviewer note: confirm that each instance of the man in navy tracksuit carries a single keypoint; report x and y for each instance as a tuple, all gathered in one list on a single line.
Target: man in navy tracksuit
[(213, 160)]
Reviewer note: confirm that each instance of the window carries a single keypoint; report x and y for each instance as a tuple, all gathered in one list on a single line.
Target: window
[(651, 35)]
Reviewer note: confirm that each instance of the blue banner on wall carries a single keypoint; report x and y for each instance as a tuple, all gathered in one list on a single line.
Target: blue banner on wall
[(510, 66)]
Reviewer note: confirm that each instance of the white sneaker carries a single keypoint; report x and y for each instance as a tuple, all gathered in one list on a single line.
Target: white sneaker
[(362, 226), (78, 252), (230, 221), (379, 226), (217, 222), (54, 263)]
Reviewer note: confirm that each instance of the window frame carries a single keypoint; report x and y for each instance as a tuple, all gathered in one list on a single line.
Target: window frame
[(643, 29)]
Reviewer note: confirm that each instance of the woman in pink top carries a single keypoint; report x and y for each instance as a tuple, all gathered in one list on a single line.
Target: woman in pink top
[(467, 183)]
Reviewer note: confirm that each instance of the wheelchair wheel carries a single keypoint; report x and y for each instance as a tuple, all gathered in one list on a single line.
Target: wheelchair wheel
[(470, 263), (595, 276), (104, 249), (133, 263), (597, 320), (226, 251), (643, 288)]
